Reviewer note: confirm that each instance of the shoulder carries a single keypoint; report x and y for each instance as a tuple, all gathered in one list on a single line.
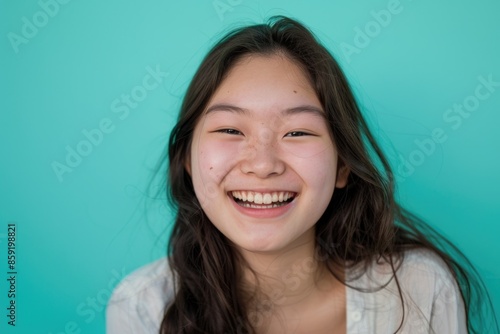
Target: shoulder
[(138, 302), (413, 264), (423, 293), (425, 266), (151, 277), (415, 267), (422, 275)]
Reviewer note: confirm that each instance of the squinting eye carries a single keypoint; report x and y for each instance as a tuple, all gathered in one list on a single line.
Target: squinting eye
[(296, 134), (229, 131)]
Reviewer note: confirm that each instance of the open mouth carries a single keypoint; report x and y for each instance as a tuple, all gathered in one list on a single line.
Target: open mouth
[(257, 200)]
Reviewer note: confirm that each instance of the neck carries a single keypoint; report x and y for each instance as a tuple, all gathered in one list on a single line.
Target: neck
[(286, 278)]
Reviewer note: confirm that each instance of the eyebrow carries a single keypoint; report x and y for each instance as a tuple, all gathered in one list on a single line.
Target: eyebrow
[(226, 107), (306, 108)]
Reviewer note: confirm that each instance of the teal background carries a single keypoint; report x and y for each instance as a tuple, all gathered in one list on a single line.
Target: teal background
[(75, 236)]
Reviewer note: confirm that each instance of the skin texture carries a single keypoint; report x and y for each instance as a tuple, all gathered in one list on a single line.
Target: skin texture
[(246, 140), (259, 152)]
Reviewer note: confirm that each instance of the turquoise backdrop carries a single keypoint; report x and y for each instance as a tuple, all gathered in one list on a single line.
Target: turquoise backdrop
[(90, 90)]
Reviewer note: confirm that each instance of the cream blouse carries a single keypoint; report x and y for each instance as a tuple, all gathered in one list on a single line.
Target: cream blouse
[(433, 303)]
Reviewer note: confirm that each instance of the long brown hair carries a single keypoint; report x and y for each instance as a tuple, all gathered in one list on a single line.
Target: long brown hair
[(362, 222)]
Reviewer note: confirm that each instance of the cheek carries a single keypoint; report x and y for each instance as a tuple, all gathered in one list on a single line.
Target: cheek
[(318, 170), (308, 150), (211, 162), (216, 158)]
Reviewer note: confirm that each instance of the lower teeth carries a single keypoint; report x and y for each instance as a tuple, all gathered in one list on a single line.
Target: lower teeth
[(261, 206)]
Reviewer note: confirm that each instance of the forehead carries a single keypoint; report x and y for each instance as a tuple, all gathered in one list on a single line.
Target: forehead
[(259, 82), (255, 64)]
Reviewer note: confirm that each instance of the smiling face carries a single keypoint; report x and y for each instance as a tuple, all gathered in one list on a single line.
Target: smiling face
[(262, 160)]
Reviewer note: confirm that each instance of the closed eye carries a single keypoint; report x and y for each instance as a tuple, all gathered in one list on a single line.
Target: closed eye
[(229, 131), (297, 134)]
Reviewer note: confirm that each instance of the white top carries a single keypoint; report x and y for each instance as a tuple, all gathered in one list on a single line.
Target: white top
[(432, 299)]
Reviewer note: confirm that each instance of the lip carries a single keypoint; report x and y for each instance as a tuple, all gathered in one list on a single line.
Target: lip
[(263, 213)]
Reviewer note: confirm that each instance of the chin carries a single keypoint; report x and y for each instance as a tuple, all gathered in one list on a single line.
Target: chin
[(260, 245)]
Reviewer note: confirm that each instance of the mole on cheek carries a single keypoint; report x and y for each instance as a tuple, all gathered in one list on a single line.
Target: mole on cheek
[(295, 91), (211, 168)]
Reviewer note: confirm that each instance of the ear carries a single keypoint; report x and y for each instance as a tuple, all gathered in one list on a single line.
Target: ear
[(342, 174)]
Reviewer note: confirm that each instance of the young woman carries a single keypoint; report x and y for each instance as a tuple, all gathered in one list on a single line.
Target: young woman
[(286, 217)]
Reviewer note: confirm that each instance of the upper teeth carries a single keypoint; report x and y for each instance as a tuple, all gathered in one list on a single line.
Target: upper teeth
[(262, 198)]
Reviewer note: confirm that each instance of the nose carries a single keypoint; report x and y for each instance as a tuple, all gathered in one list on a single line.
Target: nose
[(261, 156)]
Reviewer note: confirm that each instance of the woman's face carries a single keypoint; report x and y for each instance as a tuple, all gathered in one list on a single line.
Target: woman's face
[(262, 161)]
